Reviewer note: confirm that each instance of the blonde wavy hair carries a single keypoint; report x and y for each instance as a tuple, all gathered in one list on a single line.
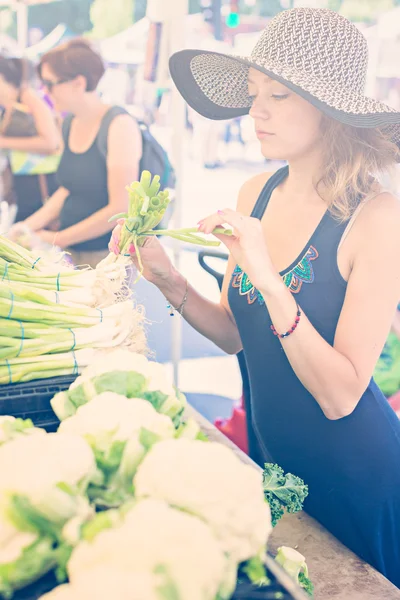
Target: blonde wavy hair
[(353, 158)]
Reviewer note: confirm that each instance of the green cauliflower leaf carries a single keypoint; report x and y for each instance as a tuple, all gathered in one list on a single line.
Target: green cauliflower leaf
[(34, 562)]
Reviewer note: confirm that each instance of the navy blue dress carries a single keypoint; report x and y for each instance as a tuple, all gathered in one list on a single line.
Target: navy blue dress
[(351, 465)]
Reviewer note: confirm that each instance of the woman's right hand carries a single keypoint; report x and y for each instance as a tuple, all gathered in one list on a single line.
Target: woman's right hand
[(157, 266), (18, 230)]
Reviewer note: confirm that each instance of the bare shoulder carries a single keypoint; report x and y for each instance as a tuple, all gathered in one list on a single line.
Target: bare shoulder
[(124, 137), (380, 216), (250, 191), (124, 125), (377, 228)]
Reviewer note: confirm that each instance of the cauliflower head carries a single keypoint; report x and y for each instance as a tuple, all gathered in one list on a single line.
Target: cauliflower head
[(120, 431), (32, 465), (118, 359), (210, 481), (105, 583), (12, 540), (110, 417), (49, 472), (125, 373), (10, 428), (158, 381), (42, 485), (159, 541)]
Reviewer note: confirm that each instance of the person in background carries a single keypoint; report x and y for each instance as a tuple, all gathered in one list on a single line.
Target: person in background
[(102, 151), (207, 134), (206, 140), (28, 132), (113, 88)]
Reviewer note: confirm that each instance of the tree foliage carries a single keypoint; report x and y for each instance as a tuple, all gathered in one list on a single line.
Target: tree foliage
[(73, 13), (107, 17), (108, 21), (335, 5), (269, 8)]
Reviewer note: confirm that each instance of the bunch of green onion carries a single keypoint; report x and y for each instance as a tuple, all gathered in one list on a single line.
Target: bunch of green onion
[(54, 318), (147, 206)]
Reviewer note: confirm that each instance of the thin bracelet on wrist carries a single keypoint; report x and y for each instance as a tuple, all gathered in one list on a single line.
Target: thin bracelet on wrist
[(179, 309)]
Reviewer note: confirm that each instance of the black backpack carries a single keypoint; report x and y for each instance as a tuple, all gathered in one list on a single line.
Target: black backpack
[(154, 157)]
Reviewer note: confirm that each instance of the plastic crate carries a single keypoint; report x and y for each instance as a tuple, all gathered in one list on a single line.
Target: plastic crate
[(31, 400), (37, 589), (281, 587)]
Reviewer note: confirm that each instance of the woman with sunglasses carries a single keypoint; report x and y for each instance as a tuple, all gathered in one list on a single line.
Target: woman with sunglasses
[(92, 181), (28, 135), (313, 278)]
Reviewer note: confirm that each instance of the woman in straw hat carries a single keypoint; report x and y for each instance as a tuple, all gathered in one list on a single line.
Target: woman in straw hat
[(313, 279)]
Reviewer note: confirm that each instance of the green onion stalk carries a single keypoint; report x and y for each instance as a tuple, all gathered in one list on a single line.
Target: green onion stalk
[(53, 277), (51, 314), (147, 206), (28, 292), (14, 312), (20, 260), (17, 370), (22, 340), (57, 314), (52, 273), (47, 341)]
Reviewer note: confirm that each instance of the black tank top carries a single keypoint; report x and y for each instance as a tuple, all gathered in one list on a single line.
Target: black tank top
[(84, 175), (352, 465)]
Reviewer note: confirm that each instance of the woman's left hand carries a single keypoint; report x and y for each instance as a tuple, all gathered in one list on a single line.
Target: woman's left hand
[(247, 246)]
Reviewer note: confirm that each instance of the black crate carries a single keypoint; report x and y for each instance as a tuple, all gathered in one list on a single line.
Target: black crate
[(37, 589), (281, 587), (31, 400)]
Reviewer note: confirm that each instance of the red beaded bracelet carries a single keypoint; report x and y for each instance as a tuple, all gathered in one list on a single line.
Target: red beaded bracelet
[(296, 322)]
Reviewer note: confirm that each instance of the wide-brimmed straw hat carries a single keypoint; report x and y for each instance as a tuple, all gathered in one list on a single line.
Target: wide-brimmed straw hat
[(317, 53)]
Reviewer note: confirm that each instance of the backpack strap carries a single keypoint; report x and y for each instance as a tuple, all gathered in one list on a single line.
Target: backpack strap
[(102, 136), (66, 128)]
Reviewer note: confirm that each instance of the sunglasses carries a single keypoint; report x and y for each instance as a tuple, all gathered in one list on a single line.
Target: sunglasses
[(51, 84)]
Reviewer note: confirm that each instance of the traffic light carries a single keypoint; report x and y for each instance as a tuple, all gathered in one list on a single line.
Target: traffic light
[(233, 18)]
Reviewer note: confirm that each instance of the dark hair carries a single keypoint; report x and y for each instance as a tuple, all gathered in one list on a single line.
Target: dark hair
[(74, 58), (14, 70)]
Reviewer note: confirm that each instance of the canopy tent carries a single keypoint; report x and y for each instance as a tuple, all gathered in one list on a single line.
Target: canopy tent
[(388, 32), (60, 34), (7, 43), (384, 48), (389, 24), (128, 46), (21, 8)]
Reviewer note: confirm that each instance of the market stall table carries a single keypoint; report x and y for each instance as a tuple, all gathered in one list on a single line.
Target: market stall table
[(336, 572)]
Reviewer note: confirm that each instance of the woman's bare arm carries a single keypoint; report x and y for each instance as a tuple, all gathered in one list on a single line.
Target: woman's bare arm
[(215, 320), (338, 376), (48, 138)]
